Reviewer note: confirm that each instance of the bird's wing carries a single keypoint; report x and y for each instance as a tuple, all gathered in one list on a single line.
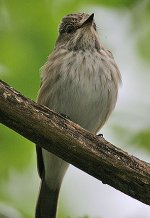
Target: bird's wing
[(40, 163), (47, 83)]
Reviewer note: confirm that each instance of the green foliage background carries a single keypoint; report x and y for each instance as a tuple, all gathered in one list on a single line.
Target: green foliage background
[(28, 30)]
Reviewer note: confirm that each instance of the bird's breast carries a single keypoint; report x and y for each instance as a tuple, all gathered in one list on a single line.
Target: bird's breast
[(85, 90)]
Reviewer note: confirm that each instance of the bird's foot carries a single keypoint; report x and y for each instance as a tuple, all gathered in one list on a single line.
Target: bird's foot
[(100, 135)]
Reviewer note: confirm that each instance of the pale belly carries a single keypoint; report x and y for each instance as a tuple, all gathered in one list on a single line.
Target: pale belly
[(86, 101), (83, 87)]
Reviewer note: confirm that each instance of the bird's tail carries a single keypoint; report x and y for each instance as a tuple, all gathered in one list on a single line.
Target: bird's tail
[(47, 202)]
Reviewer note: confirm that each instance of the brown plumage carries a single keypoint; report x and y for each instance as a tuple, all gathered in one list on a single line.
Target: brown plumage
[(80, 79)]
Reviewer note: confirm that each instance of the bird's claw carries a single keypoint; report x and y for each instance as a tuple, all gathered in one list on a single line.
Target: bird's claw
[(100, 135)]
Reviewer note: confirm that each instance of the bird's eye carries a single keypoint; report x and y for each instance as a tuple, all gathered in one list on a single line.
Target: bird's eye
[(70, 29)]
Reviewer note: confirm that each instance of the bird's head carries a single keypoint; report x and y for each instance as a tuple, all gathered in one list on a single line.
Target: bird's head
[(78, 32)]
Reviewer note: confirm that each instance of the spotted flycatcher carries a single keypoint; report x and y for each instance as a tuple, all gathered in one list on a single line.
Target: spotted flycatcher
[(80, 80)]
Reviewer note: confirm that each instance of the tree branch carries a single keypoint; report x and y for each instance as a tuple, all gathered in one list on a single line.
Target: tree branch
[(75, 145)]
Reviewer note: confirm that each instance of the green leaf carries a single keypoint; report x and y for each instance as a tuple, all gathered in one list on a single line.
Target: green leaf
[(142, 139), (15, 151)]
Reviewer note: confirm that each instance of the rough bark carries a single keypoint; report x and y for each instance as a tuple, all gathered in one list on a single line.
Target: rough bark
[(90, 153)]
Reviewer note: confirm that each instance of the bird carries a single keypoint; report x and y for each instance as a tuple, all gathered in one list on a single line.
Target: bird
[(80, 80)]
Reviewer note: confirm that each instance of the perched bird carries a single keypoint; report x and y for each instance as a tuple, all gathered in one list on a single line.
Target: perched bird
[(80, 80)]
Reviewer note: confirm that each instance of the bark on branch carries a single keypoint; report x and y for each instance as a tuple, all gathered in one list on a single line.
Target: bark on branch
[(90, 153)]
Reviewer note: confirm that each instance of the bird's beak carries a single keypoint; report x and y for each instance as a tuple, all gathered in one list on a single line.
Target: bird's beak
[(88, 21)]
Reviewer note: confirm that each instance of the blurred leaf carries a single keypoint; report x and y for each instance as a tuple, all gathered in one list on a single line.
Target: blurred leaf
[(15, 152), (84, 216), (142, 139), (144, 46), (141, 29), (116, 3), (121, 133), (109, 3)]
